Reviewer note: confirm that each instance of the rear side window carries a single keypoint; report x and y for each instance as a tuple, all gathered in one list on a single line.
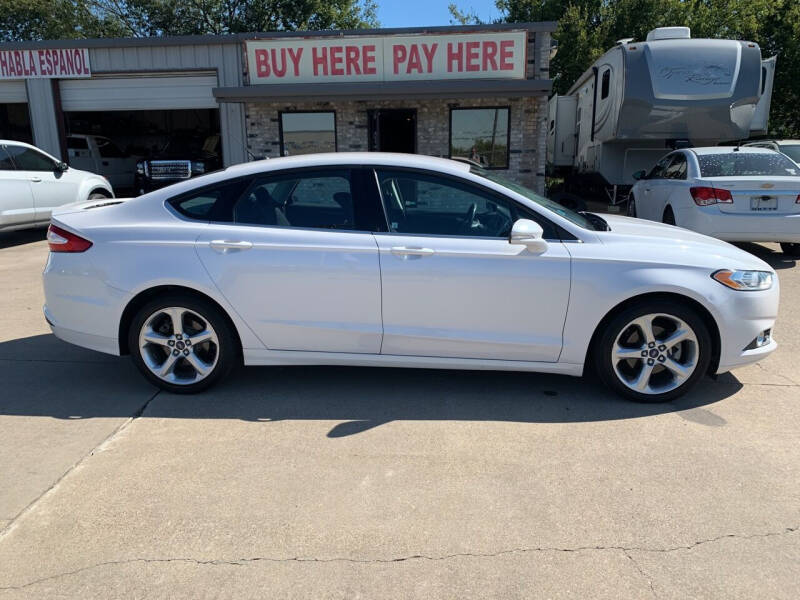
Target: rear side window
[(738, 164), (208, 203), (342, 199)]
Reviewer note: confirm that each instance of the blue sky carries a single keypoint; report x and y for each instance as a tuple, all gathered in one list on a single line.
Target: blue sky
[(420, 13)]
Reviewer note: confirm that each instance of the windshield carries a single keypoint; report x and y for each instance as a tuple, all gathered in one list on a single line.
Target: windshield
[(568, 214), (792, 151), (743, 164)]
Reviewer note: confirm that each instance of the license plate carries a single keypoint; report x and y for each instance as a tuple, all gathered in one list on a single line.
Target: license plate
[(763, 203)]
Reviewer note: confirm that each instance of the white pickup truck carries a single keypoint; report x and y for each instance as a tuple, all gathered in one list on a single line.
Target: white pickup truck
[(99, 154)]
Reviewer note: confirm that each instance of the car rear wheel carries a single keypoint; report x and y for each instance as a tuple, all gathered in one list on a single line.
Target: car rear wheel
[(653, 351), (669, 216), (182, 344), (790, 249)]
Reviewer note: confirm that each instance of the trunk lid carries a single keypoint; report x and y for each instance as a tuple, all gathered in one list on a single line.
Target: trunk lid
[(759, 195)]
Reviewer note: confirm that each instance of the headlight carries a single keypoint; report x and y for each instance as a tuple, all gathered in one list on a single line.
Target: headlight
[(141, 168), (749, 281), (198, 167)]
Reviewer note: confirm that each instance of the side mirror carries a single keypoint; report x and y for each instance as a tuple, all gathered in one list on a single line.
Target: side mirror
[(60, 167), (640, 175), (528, 233)]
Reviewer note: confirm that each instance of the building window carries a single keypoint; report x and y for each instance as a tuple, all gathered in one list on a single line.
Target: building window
[(481, 135), (307, 132), (606, 84)]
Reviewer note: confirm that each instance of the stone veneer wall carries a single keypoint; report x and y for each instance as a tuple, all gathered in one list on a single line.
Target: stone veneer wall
[(527, 122)]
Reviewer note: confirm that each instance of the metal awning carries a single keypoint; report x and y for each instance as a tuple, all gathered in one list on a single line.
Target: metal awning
[(380, 90)]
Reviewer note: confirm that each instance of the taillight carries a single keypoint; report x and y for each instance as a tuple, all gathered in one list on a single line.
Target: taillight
[(798, 199), (706, 196), (61, 240)]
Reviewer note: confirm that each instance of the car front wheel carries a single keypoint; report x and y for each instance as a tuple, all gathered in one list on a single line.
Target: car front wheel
[(653, 351), (182, 344)]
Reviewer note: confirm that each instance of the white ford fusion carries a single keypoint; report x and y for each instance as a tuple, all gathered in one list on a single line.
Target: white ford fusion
[(403, 261), (743, 194)]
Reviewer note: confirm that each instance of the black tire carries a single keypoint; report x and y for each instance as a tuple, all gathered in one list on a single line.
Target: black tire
[(570, 201), (669, 216), (791, 249), (631, 206), (604, 343), (98, 195), (228, 351)]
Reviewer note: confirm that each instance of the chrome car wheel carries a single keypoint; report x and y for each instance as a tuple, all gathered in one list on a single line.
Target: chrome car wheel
[(178, 345), (655, 353)]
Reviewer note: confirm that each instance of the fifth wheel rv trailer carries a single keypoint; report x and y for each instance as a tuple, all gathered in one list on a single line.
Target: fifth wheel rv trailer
[(642, 99)]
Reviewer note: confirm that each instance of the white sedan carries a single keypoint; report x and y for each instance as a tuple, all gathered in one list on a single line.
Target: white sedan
[(33, 183), (743, 194), (398, 261)]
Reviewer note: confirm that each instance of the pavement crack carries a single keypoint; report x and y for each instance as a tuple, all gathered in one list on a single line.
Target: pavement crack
[(136, 414), (626, 550)]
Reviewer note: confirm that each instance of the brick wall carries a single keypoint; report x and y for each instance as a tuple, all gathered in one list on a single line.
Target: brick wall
[(527, 122)]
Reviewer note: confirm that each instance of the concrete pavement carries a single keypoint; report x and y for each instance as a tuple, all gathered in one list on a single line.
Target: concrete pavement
[(345, 482)]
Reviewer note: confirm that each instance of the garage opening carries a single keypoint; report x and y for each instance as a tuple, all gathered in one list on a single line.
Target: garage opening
[(15, 120), (142, 131)]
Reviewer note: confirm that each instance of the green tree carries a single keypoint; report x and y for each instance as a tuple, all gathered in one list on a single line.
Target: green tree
[(53, 19)]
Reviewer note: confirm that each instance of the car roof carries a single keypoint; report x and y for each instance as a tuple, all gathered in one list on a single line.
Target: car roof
[(387, 159), (771, 141), (18, 143), (731, 150)]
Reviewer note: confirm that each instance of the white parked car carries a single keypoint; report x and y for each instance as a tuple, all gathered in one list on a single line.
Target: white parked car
[(101, 155), (790, 148), (398, 260), (32, 183), (740, 194)]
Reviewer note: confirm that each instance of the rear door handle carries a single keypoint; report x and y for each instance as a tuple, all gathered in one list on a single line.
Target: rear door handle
[(225, 245), (36, 179), (406, 251)]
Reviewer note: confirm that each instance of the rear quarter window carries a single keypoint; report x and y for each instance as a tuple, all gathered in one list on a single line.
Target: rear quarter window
[(209, 203), (743, 164)]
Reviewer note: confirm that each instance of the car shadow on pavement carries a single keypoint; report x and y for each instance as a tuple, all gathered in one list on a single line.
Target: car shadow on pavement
[(363, 398), (10, 239), (774, 258)]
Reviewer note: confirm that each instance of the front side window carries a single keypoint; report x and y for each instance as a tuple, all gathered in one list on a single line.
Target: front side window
[(318, 199), (428, 204), (6, 164), (792, 151), (660, 169), (737, 164), (481, 135), (28, 159), (307, 132), (109, 149)]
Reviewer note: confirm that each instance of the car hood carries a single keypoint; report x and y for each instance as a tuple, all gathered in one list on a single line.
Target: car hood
[(678, 245)]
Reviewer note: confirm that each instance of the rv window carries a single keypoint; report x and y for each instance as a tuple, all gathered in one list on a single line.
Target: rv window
[(763, 79), (552, 124), (606, 84)]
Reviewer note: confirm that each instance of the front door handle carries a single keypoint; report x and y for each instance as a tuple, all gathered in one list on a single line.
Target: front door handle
[(36, 179), (225, 245), (407, 251)]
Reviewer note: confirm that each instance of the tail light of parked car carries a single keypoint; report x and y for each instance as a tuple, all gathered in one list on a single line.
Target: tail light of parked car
[(798, 199), (706, 196), (61, 240)]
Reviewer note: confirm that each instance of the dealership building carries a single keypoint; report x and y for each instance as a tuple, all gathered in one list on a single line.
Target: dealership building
[(478, 92)]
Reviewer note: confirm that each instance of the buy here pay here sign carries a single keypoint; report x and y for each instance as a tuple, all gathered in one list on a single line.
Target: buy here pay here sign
[(498, 55)]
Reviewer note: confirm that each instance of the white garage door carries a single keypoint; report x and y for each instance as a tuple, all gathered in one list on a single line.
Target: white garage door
[(13, 91), (131, 92)]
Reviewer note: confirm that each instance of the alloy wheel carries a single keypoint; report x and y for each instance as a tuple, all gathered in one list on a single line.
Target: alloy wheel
[(178, 345), (655, 353)]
